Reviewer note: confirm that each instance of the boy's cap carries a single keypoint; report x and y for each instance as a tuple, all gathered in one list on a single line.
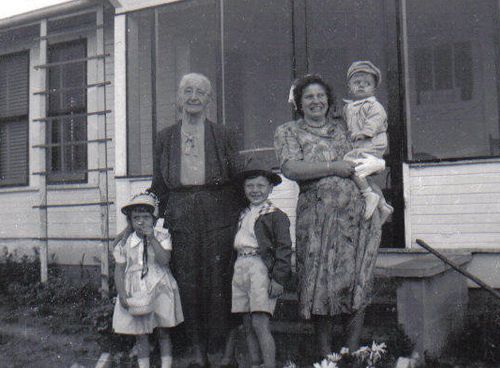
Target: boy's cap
[(273, 178), (364, 67), (142, 199)]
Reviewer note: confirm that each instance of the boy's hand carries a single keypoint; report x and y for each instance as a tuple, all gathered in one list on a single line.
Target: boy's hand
[(275, 289), (123, 301)]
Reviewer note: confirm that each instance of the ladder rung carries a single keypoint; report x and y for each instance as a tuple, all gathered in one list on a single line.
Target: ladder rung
[(43, 173), (66, 116), (74, 239), (73, 61), (60, 90), (71, 143), (74, 204), (70, 31)]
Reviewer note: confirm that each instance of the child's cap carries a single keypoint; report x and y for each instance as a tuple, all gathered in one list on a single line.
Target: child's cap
[(142, 199), (254, 168), (364, 67)]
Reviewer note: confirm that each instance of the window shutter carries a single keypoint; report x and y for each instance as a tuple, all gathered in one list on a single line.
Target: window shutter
[(14, 85), (14, 153)]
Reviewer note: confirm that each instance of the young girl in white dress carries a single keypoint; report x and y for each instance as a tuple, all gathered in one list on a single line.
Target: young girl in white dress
[(148, 296)]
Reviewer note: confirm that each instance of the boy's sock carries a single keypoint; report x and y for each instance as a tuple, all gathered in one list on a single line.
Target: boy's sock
[(166, 361), (385, 210), (371, 202), (143, 362)]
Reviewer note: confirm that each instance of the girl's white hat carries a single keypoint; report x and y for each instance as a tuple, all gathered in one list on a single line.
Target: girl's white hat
[(142, 199)]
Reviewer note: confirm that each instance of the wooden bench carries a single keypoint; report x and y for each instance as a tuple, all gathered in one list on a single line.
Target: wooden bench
[(431, 298)]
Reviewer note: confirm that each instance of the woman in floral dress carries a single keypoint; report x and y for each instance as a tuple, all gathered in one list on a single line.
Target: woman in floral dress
[(336, 247)]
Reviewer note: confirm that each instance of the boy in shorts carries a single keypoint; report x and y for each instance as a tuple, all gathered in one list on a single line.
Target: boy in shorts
[(263, 265)]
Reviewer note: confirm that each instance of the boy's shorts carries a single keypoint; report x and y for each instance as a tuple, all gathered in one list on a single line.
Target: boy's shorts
[(251, 286)]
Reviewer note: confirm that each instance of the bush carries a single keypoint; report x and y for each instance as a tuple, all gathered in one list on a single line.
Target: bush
[(24, 270), (480, 338)]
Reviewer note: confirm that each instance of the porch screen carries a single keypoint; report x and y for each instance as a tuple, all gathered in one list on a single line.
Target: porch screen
[(244, 47), (452, 84), (14, 102)]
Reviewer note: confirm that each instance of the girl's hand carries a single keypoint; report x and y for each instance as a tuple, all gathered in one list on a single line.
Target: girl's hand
[(148, 231), (123, 235)]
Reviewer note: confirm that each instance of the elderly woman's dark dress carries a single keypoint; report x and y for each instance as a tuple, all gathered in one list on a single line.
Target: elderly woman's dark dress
[(336, 247), (202, 220)]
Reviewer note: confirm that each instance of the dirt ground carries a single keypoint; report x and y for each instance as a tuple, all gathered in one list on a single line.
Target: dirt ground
[(27, 341)]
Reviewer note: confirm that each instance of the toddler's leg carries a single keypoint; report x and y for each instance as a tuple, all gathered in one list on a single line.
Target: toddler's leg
[(262, 328), (371, 198), (385, 210), (143, 351), (252, 342), (165, 348)]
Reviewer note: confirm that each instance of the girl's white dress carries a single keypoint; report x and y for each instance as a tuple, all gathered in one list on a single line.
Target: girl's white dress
[(158, 279)]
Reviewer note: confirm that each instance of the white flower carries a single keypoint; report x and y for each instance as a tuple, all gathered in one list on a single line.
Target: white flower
[(290, 364), (377, 351), (334, 357), (344, 351), (362, 352), (325, 364)]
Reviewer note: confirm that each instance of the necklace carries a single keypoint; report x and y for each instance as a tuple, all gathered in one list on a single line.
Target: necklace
[(316, 126)]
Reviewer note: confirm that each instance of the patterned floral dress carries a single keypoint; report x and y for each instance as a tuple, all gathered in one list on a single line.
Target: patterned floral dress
[(336, 247)]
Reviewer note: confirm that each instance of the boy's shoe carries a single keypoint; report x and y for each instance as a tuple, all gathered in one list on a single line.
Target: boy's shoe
[(385, 211), (371, 203)]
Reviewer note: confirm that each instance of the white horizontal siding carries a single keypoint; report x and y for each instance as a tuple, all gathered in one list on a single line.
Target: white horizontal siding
[(17, 217), (453, 206)]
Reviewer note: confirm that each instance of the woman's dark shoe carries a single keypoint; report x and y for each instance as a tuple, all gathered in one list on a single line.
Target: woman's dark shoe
[(198, 365)]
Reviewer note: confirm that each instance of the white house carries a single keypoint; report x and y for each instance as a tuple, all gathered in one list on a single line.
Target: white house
[(86, 84)]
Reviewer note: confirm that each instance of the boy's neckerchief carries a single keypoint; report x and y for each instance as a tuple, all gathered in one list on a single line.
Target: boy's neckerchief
[(266, 208)]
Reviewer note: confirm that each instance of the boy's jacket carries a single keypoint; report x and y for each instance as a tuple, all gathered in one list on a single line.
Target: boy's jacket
[(272, 230)]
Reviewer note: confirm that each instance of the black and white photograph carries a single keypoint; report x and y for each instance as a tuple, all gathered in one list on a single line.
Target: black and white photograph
[(250, 184)]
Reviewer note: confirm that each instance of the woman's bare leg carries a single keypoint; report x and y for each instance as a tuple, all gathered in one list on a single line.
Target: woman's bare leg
[(354, 328), (323, 326)]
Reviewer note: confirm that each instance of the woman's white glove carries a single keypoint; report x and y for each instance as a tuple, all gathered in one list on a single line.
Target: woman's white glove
[(368, 165)]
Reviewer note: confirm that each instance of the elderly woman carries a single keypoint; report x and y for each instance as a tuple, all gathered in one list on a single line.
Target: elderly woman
[(194, 163), (336, 246)]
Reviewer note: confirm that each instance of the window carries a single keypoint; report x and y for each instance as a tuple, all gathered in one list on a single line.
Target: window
[(67, 106), (453, 78), (14, 106)]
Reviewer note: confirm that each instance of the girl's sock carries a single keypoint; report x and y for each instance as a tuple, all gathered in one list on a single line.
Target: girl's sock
[(166, 361), (143, 362)]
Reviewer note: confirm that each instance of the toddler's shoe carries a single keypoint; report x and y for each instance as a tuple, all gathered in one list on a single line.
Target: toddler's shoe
[(385, 211), (371, 202)]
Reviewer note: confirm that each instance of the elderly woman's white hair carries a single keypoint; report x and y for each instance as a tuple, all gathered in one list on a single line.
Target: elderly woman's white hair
[(190, 76)]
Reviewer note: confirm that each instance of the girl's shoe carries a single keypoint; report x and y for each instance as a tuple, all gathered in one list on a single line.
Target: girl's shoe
[(229, 365)]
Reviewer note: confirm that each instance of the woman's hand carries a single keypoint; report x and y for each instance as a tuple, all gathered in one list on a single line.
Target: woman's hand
[(369, 165), (344, 169)]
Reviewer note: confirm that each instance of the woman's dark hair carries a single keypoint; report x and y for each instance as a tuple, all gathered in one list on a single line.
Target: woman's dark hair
[(305, 81)]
